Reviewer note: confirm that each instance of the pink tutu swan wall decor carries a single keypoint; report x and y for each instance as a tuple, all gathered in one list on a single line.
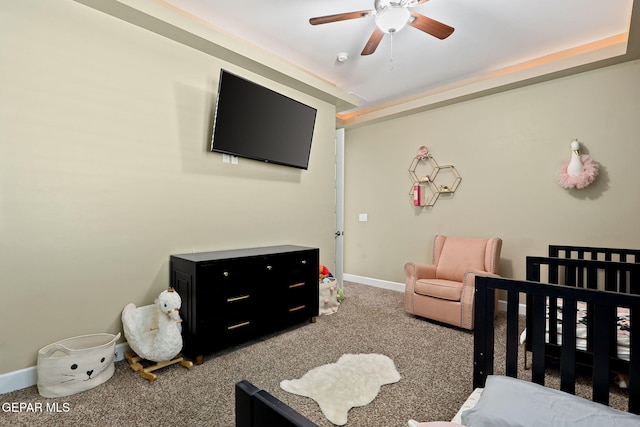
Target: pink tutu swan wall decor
[(579, 171)]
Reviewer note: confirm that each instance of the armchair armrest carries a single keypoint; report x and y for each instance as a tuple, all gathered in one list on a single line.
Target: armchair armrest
[(414, 272), (420, 271)]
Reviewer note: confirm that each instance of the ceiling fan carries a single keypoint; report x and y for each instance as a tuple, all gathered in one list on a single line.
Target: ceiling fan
[(391, 16)]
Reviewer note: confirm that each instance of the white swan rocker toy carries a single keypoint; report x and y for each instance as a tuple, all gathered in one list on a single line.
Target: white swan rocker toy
[(153, 332)]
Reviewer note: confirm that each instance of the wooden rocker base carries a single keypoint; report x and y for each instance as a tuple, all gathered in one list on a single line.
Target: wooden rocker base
[(145, 367)]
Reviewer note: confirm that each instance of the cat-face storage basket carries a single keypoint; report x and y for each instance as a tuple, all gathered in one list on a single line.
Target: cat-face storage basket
[(76, 364)]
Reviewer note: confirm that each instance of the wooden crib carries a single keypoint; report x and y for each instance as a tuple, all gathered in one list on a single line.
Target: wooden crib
[(602, 304)]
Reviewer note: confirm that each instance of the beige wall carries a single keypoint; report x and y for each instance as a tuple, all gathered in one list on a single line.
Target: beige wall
[(507, 148), (104, 173)]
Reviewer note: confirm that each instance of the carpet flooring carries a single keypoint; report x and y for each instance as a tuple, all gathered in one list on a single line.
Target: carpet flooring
[(434, 360)]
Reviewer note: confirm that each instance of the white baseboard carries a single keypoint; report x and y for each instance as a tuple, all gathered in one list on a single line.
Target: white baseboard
[(28, 377), (394, 286), (17, 380)]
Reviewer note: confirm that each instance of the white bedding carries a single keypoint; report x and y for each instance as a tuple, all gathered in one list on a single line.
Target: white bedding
[(581, 329), (471, 401)]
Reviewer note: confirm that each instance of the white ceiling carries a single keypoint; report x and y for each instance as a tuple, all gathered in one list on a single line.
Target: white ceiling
[(489, 36)]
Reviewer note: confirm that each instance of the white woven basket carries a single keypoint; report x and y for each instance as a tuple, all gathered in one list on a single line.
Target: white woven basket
[(329, 297), (75, 364)]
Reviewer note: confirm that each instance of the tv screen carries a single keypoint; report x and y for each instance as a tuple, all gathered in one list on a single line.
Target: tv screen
[(254, 122)]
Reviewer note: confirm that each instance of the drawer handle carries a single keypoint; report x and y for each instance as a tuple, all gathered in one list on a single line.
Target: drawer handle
[(225, 274), (296, 285), (304, 261), (300, 307), (269, 267), (234, 299), (239, 325)]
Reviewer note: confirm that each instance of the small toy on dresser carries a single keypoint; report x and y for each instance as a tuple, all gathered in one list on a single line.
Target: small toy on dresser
[(330, 293), (153, 332)]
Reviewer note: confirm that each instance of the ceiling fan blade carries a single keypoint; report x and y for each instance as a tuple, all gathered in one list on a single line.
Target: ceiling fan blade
[(373, 42), (339, 17), (430, 26)]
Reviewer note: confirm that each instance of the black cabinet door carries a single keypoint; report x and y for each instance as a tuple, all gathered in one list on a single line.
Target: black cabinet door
[(297, 286), (228, 303)]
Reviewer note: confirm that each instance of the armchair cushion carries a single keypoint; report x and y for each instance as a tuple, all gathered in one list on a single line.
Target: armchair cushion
[(460, 255), (438, 288)]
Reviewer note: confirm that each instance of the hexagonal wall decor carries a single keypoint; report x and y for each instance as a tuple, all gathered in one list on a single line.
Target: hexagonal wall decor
[(446, 179), (427, 193), (430, 180), (423, 169)]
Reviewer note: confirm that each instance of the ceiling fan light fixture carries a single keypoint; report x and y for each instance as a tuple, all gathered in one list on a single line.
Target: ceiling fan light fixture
[(392, 19), (384, 4)]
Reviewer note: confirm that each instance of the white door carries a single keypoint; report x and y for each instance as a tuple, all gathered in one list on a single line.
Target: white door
[(339, 231)]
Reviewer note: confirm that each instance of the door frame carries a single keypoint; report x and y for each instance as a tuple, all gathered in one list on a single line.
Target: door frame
[(339, 207)]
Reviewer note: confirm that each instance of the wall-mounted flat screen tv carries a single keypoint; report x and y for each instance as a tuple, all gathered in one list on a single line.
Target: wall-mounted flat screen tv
[(255, 122)]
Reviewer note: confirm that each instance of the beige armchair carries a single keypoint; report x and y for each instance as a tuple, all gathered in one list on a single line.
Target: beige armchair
[(444, 291)]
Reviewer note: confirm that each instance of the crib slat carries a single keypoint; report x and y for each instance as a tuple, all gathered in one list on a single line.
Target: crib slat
[(568, 359), (611, 282), (537, 338), (601, 353), (513, 300), (634, 364), (553, 320), (484, 334), (634, 282)]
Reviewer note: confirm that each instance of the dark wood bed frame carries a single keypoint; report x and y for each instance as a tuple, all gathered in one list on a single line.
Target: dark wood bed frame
[(257, 408), (602, 303)]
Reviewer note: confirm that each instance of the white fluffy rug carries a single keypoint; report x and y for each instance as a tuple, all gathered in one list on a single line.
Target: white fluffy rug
[(354, 380)]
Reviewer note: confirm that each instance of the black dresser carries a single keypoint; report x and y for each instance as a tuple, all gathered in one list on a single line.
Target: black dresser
[(229, 297)]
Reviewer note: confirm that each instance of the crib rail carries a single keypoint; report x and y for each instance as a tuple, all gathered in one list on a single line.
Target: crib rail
[(612, 276), (595, 253), (603, 303)]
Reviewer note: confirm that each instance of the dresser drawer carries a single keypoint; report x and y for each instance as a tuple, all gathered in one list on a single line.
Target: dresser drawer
[(217, 334), (297, 312), (240, 330), (226, 280), (297, 292), (288, 264), (239, 307)]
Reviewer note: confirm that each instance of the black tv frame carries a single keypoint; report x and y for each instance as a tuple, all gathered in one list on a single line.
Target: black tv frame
[(255, 122)]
